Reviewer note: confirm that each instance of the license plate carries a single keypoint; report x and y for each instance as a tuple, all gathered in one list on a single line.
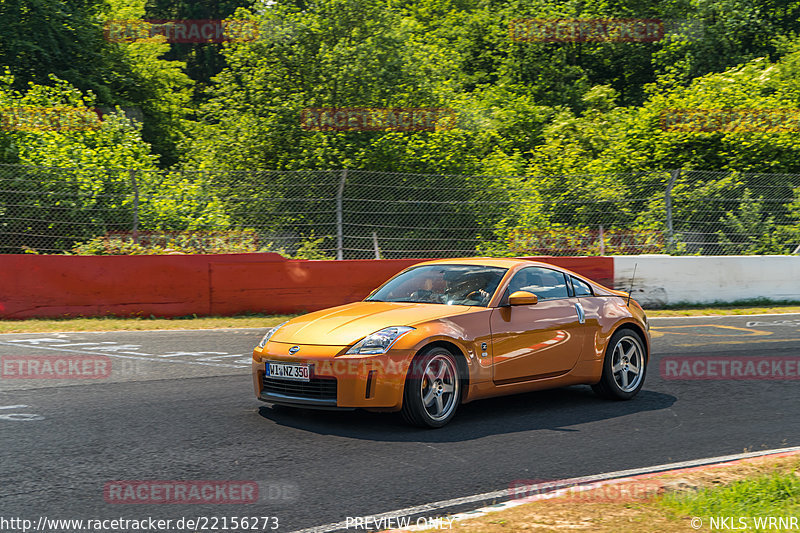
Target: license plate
[(296, 372)]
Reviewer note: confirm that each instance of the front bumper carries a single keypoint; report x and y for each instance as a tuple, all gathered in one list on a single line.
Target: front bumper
[(337, 380)]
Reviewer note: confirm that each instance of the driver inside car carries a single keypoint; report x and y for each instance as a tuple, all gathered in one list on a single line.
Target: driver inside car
[(467, 287)]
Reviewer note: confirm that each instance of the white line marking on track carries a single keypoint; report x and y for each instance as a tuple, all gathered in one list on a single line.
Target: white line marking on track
[(183, 361), (36, 341), (76, 343), (505, 494), (789, 323), (19, 417), (215, 357), (178, 354)]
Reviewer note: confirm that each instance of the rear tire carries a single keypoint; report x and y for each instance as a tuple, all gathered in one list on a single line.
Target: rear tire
[(432, 390), (624, 366)]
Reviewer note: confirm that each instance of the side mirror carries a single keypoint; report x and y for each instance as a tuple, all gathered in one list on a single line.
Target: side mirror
[(522, 298)]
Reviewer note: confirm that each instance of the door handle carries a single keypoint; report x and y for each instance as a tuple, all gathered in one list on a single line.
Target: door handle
[(581, 313)]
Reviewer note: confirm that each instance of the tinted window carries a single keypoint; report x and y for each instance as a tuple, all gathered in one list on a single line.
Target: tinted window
[(442, 284), (581, 287), (545, 283)]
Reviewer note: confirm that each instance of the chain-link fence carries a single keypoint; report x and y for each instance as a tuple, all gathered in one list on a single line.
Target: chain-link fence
[(358, 214)]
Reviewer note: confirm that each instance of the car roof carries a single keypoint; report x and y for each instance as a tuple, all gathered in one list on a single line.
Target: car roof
[(503, 262), (511, 262)]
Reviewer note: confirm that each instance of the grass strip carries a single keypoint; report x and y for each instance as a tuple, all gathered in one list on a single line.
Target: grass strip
[(757, 495), (41, 325)]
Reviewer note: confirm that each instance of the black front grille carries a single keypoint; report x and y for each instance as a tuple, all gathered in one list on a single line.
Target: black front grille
[(314, 389)]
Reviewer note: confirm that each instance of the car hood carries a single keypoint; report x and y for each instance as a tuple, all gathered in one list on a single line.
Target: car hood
[(347, 324)]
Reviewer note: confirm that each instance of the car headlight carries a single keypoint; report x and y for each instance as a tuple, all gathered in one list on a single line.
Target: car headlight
[(380, 341), (269, 334)]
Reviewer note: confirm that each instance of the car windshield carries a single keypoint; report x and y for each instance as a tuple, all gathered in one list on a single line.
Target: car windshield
[(442, 284)]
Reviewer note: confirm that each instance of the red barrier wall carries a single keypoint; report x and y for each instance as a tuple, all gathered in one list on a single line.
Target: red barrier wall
[(178, 285)]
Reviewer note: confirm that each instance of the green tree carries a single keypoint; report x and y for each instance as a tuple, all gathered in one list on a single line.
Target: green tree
[(749, 230), (69, 181), (44, 38)]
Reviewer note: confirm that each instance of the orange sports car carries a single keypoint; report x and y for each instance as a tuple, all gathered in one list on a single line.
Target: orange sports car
[(447, 332)]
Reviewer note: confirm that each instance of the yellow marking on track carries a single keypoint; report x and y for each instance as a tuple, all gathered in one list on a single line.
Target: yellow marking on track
[(728, 331), (760, 341)]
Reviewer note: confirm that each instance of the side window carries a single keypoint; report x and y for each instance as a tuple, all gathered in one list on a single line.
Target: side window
[(545, 283), (581, 287)]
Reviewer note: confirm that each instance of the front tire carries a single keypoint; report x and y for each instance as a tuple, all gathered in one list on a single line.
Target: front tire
[(624, 367), (432, 390)]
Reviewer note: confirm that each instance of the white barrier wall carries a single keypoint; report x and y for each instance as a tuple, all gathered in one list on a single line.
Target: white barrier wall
[(668, 280)]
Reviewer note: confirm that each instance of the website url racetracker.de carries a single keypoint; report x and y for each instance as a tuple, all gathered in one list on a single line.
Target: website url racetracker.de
[(210, 524)]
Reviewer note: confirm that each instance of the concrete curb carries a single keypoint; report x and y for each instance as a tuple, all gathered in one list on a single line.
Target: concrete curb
[(593, 482)]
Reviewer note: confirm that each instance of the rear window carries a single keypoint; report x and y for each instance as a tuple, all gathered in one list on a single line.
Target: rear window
[(581, 287)]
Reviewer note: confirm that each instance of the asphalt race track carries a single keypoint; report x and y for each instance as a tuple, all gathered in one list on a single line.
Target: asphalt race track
[(179, 405)]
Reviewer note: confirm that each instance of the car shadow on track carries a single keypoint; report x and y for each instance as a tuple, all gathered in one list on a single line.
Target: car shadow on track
[(555, 410)]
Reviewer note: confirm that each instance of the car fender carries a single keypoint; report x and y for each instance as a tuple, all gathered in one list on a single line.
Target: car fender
[(446, 331)]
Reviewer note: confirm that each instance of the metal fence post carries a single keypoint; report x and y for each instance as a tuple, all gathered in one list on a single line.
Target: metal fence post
[(602, 239), (135, 185), (339, 217), (673, 175), (375, 245)]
